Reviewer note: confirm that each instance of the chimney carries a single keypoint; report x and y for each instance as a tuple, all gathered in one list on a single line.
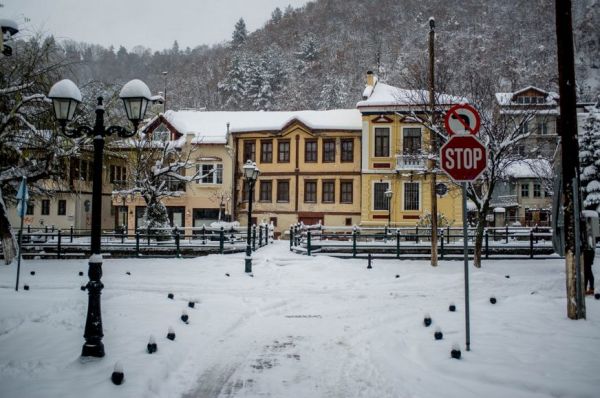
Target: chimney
[(370, 78)]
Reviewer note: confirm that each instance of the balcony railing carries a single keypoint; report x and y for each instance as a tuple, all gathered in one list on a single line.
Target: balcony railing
[(410, 162)]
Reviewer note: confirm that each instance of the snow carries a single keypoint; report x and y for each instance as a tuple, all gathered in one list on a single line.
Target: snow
[(528, 168), (505, 99), (211, 127), (499, 210), (135, 88), (65, 89), (301, 327), (385, 95)]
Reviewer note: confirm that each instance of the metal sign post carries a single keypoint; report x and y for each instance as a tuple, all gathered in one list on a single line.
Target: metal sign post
[(464, 158), (466, 259)]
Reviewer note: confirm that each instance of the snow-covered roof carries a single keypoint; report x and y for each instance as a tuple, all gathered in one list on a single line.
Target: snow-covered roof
[(381, 94), (211, 127), (505, 99), (528, 168)]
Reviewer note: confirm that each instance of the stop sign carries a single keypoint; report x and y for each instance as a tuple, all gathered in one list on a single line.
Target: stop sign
[(463, 158)]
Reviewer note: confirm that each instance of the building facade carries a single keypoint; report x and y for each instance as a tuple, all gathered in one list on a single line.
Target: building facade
[(395, 149)]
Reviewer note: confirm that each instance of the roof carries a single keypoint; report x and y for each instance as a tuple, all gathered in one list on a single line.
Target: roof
[(505, 99), (381, 94), (528, 168), (211, 127)]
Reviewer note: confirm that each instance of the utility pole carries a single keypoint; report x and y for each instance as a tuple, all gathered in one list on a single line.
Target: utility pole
[(432, 145), (570, 155)]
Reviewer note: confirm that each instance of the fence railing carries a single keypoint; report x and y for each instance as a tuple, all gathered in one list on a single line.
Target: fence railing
[(57, 243), (416, 240)]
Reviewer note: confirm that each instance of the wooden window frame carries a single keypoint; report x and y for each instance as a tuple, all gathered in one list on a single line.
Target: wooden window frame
[(328, 151), (315, 152), (312, 183), (329, 183)]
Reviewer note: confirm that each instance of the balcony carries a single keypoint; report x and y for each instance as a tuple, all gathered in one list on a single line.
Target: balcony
[(411, 162)]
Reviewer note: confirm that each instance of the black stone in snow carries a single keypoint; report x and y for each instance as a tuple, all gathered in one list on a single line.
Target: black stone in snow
[(83, 287), (80, 273), (226, 274), (117, 378), (397, 276), (493, 300), (26, 287), (152, 347), (171, 296), (32, 272), (191, 304), (128, 273), (455, 353), (438, 335), (427, 321), (597, 296), (184, 318), (171, 335), (452, 308), (507, 276)]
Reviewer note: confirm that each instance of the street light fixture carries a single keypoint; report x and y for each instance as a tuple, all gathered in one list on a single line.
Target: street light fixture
[(65, 96), (388, 194), (251, 173)]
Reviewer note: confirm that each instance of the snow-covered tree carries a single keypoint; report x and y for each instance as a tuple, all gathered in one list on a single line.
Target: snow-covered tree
[(29, 147), (240, 33), (158, 170), (276, 15), (333, 93), (234, 86), (589, 156)]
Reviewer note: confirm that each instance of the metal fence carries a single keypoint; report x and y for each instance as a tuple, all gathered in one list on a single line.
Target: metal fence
[(178, 242), (416, 241)]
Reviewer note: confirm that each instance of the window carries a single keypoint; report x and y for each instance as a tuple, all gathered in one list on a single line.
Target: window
[(245, 191), (411, 196), (328, 191), (542, 128), (310, 151), (273, 220), (30, 209), (347, 150), (328, 151), (283, 190), (62, 207), (210, 173), (524, 128), (380, 201), (249, 150), (525, 190), (266, 189), (346, 194), (537, 191), (283, 151), (348, 221), (382, 141), (266, 151), (310, 191), (45, 207), (411, 141), (117, 174)]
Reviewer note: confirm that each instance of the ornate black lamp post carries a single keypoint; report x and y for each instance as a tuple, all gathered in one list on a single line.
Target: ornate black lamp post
[(388, 195), (251, 173), (65, 97)]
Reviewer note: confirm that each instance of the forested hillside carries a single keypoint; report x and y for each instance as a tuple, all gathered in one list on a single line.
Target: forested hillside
[(315, 57)]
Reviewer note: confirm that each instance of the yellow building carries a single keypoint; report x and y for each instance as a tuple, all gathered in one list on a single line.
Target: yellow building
[(395, 147), (309, 165)]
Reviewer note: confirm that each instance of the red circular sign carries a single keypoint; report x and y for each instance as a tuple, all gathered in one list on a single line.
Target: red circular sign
[(462, 119), (463, 158)]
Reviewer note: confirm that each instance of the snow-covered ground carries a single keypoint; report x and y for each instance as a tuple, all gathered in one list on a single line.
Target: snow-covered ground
[(301, 327)]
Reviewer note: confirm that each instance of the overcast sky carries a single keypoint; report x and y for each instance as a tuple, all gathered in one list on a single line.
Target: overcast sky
[(150, 23)]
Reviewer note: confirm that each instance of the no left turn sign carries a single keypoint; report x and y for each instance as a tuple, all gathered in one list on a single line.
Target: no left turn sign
[(462, 119)]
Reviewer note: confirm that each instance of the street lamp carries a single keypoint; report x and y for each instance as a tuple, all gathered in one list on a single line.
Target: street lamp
[(251, 173), (388, 195), (65, 96)]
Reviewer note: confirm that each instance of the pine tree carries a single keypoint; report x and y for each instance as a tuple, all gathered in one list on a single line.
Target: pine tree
[(589, 156), (276, 15), (240, 33), (333, 94), (235, 84)]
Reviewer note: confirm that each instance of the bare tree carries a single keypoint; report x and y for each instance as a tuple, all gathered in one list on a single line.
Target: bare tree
[(26, 128)]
